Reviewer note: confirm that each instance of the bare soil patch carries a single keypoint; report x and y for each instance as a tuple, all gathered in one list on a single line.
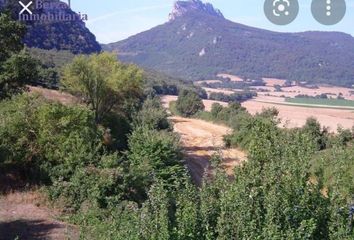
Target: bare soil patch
[(218, 90), (200, 141), (54, 95), (293, 91), (22, 216), (271, 82), (294, 116), (291, 116), (207, 81)]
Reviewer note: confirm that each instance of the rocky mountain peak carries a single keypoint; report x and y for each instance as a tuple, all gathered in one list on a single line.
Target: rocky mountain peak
[(183, 7)]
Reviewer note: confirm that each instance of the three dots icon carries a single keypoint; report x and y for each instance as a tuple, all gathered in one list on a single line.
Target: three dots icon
[(328, 12), (328, 7)]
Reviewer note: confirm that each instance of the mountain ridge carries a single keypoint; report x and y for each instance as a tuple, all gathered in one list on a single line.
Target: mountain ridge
[(197, 45)]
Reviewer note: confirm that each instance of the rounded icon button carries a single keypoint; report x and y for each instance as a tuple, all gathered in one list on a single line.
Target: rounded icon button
[(328, 12), (281, 12)]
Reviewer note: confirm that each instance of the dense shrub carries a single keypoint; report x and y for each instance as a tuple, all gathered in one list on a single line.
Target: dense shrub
[(273, 195), (189, 103), (17, 71), (152, 115), (50, 137), (155, 155), (235, 97), (91, 187), (318, 134), (216, 108)]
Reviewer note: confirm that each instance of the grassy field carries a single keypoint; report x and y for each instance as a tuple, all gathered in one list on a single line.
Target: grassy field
[(324, 102)]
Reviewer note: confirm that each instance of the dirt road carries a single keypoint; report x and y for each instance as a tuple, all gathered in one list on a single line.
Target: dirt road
[(200, 140)]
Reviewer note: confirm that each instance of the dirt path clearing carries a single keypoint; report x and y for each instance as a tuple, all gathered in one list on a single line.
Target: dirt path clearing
[(21, 218), (200, 140)]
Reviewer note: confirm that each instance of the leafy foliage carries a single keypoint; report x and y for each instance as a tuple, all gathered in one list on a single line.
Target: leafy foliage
[(235, 97), (146, 194), (17, 71), (153, 115), (17, 68), (273, 196), (189, 103), (11, 34), (155, 155), (103, 82), (47, 136), (318, 135)]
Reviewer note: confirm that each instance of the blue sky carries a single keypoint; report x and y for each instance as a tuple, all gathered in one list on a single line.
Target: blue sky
[(114, 20)]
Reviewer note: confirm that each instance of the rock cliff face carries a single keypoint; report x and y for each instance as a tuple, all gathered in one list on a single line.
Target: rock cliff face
[(185, 7)]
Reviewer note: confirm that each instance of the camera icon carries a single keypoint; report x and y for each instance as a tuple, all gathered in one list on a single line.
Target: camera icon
[(281, 12)]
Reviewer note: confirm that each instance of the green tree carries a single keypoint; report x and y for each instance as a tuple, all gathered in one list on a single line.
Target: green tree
[(317, 134), (216, 108), (16, 68), (103, 82), (344, 136), (11, 35), (189, 103), (17, 71), (271, 113)]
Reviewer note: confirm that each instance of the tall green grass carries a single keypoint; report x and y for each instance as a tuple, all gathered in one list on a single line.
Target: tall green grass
[(324, 102)]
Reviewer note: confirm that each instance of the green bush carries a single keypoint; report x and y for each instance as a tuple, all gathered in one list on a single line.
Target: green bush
[(189, 103), (216, 108), (90, 187), (318, 135), (17, 71), (155, 155), (152, 115), (49, 137)]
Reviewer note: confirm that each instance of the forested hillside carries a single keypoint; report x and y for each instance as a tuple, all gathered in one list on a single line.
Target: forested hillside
[(72, 36), (197, 44), (52, 63)]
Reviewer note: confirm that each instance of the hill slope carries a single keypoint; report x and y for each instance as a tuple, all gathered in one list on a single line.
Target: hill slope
[(198, 42), (53, 34)]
